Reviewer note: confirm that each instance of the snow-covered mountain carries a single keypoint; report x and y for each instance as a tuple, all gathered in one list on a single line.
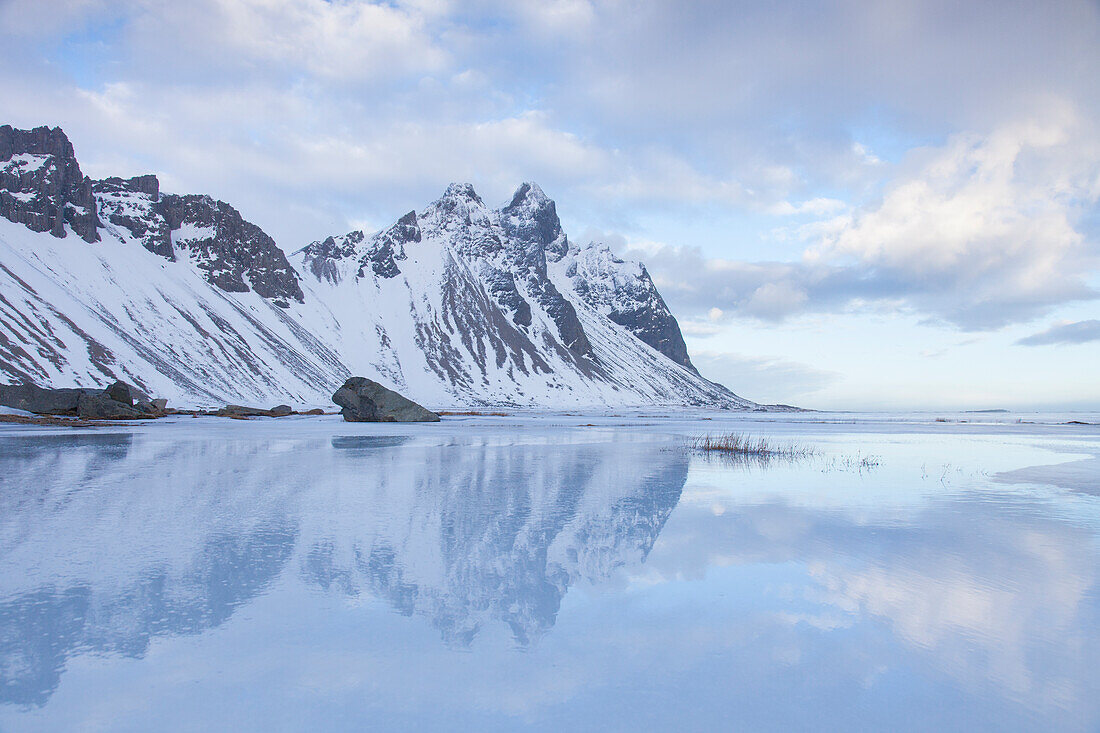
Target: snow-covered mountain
[(454, 304)]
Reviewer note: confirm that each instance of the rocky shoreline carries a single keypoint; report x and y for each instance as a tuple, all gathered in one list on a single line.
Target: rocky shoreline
[(361, 400)]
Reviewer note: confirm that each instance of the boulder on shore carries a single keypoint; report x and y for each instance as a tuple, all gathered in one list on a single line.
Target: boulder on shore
[(102, 405), (364, 400), (115, 402), (40, 400), (126, 393), (243, 411)]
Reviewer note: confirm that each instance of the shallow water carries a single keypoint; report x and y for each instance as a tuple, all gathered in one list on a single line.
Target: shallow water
[(550, 572)]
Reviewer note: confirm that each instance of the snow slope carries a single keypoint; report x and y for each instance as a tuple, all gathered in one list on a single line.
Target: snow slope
[(459, 301), (73, 313), (457, 304)]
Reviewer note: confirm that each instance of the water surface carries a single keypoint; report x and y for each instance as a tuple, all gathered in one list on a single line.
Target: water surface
[(549, 572)]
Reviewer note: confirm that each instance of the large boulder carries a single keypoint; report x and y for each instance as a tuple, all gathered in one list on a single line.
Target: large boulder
[(117, 401), (41, 400), (364, 400), (101, 405), (245, 411), (126, 393)]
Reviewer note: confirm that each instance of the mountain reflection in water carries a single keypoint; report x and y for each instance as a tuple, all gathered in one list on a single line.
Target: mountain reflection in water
[(125, 540), (544, 576)]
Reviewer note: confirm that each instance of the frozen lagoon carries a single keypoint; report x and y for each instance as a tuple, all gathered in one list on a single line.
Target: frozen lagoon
[(551, 572)]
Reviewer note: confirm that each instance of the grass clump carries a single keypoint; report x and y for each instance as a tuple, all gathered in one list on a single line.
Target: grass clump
[(744, 445)]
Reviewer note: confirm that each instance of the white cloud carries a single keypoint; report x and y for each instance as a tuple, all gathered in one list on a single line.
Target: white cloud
[(1075, 332), (820, 206), (556, 17), (307, 114), (980, 232), (984, 231), (328, 42), (773, 300), (763, 379)]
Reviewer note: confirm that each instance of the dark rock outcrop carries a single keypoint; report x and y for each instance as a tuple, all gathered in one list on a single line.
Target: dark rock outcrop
[(322, 257), (42, 188), (652, 322), (41, 400), (134, 205), (626, 293), (115, 402), (101, 405), (126, 393), (233, 252), (243, 411), (364, 400), (41, 185), (381, 253), (389, 247), (534, 234)]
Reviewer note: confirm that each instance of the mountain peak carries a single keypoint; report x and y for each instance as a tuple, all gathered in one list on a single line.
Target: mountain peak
[(46, 192), (532, 218), (41, 140), (531, 194), (460, 209), (462, 192)]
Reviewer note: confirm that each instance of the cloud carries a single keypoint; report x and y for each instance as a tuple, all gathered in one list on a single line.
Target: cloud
[(309, 114), (1079, 332), (979, 233), (763, 379), (984, 232), (818, 207)]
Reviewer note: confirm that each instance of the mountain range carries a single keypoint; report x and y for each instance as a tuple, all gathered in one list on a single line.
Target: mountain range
[(457, 303)]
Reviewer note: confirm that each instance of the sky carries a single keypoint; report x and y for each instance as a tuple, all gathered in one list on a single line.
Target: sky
[(847, 205)]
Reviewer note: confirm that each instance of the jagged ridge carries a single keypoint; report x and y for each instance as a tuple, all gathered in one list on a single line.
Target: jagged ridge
[(454, 304)]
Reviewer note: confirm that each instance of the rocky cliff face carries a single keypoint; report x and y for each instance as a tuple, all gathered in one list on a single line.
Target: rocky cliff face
[(505, 308), (236, 255), (134, 206), (625, 293), (457, 303), (41, 185)]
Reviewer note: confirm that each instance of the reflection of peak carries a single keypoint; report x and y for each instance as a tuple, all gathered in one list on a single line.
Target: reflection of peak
[(467, 535), (131, 572), (41, 628), (480, 546)]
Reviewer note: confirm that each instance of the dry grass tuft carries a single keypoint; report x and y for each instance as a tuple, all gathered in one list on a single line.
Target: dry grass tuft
[(747, 446), (50, 421)]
